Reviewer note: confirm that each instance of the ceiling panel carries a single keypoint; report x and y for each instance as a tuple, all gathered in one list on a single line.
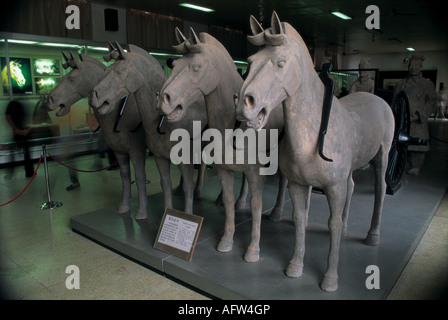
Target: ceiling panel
[(403, 23)]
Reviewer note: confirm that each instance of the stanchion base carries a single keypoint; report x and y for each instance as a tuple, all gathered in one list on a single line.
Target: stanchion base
[(50, 205)]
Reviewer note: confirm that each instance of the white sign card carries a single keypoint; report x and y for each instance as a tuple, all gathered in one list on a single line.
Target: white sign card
[(178, 233)]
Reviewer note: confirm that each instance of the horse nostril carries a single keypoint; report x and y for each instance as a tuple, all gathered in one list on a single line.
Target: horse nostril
[(249, 101), (95, 93), (166, 98)]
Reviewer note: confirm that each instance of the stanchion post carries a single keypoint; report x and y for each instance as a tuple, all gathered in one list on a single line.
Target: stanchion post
[(49, 204)]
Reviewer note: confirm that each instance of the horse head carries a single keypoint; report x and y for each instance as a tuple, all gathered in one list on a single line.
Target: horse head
[(274, 72), (193, 76), (16, 73), (77, 84), (124, 77)]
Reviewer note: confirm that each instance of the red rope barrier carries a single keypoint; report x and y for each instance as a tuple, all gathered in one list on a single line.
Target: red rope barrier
[(87, 171), (26, 187)]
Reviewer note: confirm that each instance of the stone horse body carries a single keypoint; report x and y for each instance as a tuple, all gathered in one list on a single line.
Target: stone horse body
[(360, 131), (128, 143), (207, 70), (137, 72)]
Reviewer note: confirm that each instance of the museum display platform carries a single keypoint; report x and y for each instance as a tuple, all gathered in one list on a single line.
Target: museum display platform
[(227, 276)]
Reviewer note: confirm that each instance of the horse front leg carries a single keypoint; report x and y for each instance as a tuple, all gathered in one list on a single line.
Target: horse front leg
[(277, 211), (163, 165), (256, 204), (200, 181), (138, 160), (299, 197), (380, 166), (187, 171), (336, 196), (125, 174), (241, 202), (226, 179)]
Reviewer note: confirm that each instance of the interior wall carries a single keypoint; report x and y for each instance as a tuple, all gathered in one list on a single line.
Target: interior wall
[(395, 62)]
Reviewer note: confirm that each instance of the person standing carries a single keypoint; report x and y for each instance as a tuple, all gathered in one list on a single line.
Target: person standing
[(15, 115)]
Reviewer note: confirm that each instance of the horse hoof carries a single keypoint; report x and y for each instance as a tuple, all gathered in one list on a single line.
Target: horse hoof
[(329, 284), (225, 246), (240, 205), (294, 270), (141, 216), (124, 212), (252, 255), (372, 239), (275, 215)]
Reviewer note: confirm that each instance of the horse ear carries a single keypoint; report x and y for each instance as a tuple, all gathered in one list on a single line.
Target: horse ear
[(255, 26), (276, 25), (110, 46), (73, 62), (193, 37), (121, 52), (179, 36), (65, 65), (257, 39)]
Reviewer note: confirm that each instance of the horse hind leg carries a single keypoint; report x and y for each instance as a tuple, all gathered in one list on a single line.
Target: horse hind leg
[(277, 211), (350, 188), (125, 174), (380, 165)]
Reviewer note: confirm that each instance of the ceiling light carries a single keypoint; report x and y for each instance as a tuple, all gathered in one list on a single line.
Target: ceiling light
[(410, 49), (51, 44), (341, 15), (21, 41), (193, 6)]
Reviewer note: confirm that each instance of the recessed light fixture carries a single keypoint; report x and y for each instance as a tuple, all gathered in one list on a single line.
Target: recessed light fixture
[(195, 7), (341, 15), (410, 49)]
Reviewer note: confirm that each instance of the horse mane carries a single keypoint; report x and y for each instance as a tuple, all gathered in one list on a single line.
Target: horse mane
[(210, 40), (89, 59), (291, 32), (143, 53)]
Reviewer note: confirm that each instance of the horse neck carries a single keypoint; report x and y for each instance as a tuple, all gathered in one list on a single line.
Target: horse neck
[(145, 96), (220, 104), (303, 109)]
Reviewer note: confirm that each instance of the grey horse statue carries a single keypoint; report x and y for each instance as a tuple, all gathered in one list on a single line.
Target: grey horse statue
[(128, 143), (207, 70), (360, 131), (137, 72)]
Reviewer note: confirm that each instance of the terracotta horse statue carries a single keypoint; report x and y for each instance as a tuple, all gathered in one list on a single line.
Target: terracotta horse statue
[(128, 143), (137, 72), (360, 130), (207, 70)]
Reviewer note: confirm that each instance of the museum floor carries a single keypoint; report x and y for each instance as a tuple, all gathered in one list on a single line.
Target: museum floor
[(37, 245)]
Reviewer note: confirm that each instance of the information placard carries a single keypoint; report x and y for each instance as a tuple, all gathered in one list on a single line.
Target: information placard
[(178, 233)]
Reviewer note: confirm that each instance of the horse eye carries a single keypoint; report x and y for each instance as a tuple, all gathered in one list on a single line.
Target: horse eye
[(196, 68), (281, 64)]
